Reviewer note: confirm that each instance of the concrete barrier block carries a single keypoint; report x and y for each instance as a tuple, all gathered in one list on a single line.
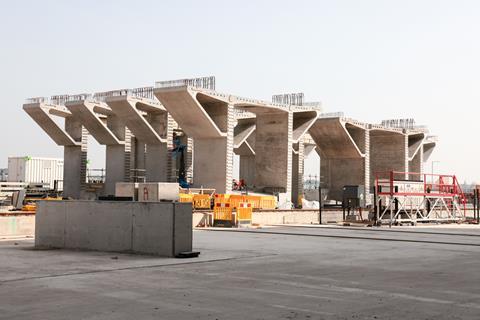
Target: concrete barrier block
[(50, 224), (156, 191), (105, 225), (153, 228), (127, 189), (183, 227)]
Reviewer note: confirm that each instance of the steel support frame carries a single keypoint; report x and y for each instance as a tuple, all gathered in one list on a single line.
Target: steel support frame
[(439, 209)]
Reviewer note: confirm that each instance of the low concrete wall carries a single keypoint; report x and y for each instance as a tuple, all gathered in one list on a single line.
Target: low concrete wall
[(158, 228), (279, 217), (17, 225)]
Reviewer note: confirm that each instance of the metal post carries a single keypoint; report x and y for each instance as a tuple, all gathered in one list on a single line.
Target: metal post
[(391, 210), (319, 203), (474, 203), (478, 207)]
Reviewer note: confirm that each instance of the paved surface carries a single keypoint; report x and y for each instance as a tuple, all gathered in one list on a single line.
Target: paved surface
[(271, 273)]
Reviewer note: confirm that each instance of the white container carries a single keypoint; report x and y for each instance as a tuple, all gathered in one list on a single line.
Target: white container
[(156, 191), (127, 189), (35, 170)]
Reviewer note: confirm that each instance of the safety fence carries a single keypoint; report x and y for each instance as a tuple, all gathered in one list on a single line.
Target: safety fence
[(244, 213), (204, 201)]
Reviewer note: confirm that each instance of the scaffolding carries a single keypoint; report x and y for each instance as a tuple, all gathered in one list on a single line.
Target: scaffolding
[(409, 197)]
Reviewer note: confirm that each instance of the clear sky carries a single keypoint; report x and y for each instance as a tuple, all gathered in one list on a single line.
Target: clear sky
[(373, 60)]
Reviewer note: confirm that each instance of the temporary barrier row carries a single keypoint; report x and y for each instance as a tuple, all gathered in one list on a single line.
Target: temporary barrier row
[(257, 202)]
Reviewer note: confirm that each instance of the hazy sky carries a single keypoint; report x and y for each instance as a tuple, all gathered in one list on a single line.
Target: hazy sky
[(372, 60)]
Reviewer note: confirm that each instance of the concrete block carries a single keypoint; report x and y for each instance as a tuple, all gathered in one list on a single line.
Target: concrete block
[(159, 228), (50, 221), (127, 189), (182, 227), (156, 191), (153, 228), (162, 228), (102, 225)]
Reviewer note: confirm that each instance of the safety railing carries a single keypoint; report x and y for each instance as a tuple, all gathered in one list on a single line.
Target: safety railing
[(417, 184), (203, 82), (37, 100)]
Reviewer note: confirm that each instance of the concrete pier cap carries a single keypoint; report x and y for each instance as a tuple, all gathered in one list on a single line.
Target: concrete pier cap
[(42, 112), (73, 138)]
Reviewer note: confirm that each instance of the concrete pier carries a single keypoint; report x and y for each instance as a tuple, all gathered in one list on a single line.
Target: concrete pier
[(148, 121), (388, 152), (273, 151), (208, 118), (302, 122), (73, 138), (109, 130), (75, 160), (244, 146), (343, 149)]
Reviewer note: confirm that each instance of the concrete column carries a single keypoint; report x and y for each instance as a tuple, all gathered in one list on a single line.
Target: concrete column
[(416, 164), (298, 157), (273, 152), (156, 161), (247, 168), (75, 160), (213, 158), (366, 167), (117, 156), (388, 152), (138, 157)]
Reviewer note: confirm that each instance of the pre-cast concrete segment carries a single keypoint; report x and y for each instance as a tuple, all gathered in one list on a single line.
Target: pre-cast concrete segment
[(84, 111), (42, 115)]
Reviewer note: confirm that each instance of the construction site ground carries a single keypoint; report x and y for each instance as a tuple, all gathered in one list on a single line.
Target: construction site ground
[(294, 272)]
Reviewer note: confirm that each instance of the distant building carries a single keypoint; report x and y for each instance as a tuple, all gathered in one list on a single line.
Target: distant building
[(35, 170), (3, 175)]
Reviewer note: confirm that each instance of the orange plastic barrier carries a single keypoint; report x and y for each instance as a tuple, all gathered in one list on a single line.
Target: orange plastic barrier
[(268, 202), (253, 200), (202, 201), (186, 197), (222, 198), (235, 200), (222, 211), (244, 212)]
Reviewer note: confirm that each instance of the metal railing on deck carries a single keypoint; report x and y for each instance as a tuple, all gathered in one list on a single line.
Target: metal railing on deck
[(203, 82)]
